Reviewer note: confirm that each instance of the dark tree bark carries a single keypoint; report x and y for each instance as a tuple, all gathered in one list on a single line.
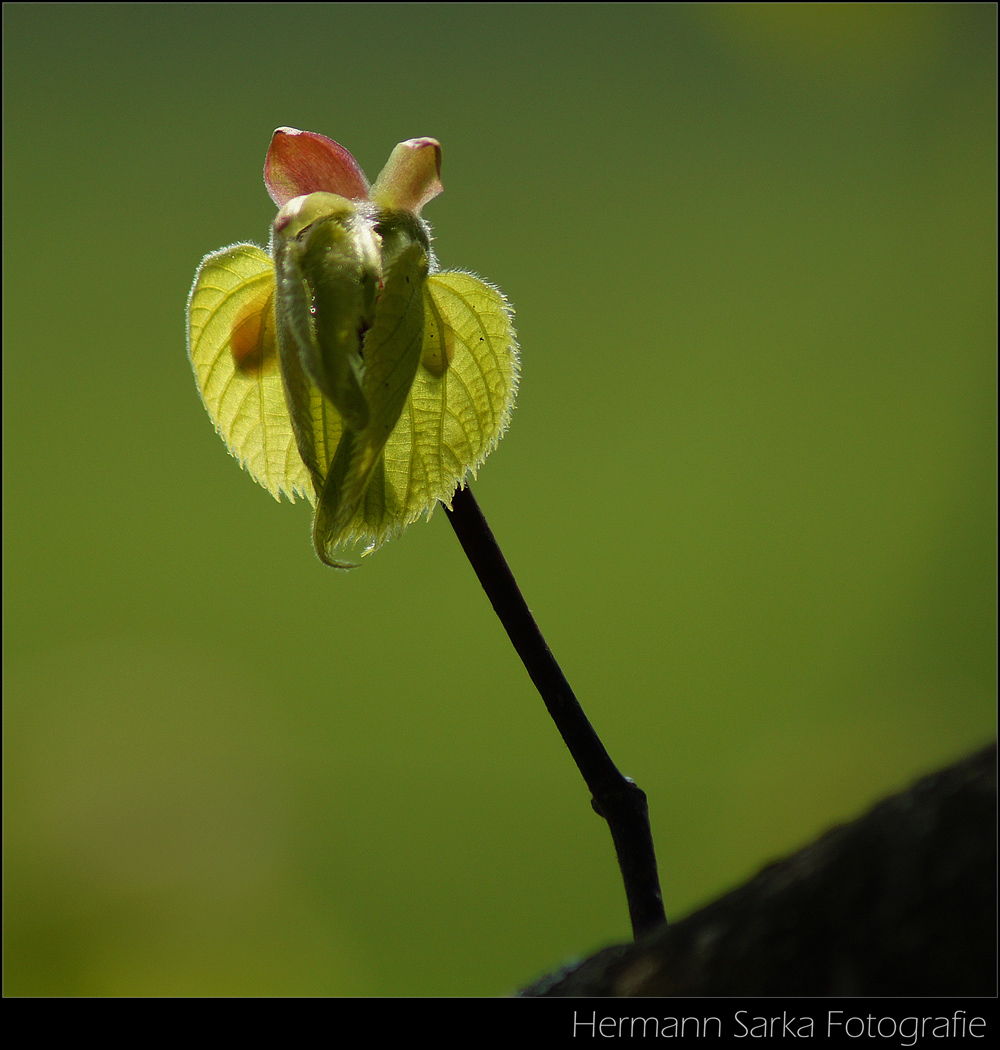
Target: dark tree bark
[(901, 902)]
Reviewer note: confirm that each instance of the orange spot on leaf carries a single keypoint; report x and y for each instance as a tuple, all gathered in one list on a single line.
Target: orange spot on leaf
[(252, 340)]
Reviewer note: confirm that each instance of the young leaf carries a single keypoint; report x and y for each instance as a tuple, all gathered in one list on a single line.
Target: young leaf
[(327, 268), (459, 403), (392, 356), (455, 413), (468, 381), (233, 350)]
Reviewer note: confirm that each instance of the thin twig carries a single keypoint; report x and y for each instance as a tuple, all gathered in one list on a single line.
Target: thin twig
[(615, 797)]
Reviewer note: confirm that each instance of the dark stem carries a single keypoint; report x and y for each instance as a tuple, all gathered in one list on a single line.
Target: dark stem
[(615, 797)]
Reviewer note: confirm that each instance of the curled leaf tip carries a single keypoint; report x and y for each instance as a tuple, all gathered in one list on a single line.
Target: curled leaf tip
[(301, 162), (411, 177)]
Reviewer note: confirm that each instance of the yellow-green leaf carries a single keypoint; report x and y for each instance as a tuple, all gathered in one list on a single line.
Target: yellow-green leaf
[(458, 408), (462, 397), (233, 349)]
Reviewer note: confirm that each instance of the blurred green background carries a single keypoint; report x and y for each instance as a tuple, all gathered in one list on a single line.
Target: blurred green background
[(747, 491)]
